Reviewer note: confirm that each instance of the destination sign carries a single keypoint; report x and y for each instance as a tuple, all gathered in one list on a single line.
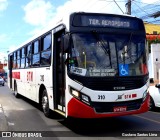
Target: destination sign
[(103, 22), (113, 21)]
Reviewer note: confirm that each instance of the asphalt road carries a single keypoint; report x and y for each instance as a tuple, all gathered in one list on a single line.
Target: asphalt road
[(24, 115)]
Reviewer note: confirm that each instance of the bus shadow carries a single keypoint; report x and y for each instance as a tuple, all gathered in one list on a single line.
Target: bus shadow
[(114, 126), (102, 127), (37, 106), (156, 109)]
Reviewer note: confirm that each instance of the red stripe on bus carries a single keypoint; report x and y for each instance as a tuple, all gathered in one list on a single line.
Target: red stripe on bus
[(16, 75), (134, 95)]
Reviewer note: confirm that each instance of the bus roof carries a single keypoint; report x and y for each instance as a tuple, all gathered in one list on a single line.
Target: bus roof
[(63, 21)]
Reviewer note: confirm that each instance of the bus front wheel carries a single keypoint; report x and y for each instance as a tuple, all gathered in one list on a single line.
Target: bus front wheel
[(151, 104), (45, 104)]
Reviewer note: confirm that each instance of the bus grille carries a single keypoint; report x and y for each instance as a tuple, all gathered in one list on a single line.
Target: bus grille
[(108, 83), (103, 107)]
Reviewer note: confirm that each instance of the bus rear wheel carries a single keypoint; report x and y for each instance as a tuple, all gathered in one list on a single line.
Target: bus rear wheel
[(45, 104), (15, 90)]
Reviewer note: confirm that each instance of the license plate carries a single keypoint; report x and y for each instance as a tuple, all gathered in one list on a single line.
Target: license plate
[(120, 109)]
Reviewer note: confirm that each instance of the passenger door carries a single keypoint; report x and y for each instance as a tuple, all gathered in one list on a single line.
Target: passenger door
[(58, 73), (10, 70)]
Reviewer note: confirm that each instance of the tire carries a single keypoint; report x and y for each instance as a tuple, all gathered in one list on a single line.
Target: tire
[(15, 90), (45, 104), (151, 104), (3, 84)]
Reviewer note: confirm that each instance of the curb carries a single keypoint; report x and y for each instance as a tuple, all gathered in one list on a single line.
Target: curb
[(3, 120)]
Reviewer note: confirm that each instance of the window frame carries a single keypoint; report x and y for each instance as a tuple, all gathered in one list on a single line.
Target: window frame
[(43, 51), (28, 53), (37, 53)]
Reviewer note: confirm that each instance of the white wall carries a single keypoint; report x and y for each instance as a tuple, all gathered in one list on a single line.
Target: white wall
[(155, 61)]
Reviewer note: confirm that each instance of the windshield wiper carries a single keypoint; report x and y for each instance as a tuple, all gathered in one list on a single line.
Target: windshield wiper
[(126, 50), (103, 45)]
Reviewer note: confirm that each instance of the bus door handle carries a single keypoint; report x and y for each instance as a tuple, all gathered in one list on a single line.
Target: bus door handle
[(47, 68)]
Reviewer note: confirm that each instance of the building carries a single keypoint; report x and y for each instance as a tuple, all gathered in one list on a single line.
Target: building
[(3, 71), (153, 37), (152, 29)]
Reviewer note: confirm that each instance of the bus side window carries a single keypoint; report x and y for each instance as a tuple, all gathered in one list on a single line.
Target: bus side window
[(23, 57), (18, 59), (14, 65), (36, 54), (46, 50), (28, 55)]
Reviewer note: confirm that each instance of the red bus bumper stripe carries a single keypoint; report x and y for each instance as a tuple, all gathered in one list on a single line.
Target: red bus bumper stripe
[(78, 109)]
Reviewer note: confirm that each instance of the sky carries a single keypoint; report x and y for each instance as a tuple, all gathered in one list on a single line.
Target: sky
[(22, 19)]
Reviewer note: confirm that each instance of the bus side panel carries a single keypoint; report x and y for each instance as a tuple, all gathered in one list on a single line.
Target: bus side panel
[(43, 77), (19, 79), (29, 81)]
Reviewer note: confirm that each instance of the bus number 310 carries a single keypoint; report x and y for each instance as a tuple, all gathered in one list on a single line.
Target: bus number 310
[(101, 97)]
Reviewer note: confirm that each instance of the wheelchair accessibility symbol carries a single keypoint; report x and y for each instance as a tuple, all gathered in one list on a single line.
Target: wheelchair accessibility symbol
[(123, 69)]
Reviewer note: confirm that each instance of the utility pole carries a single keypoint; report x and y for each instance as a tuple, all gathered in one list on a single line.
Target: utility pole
[(128, 7)]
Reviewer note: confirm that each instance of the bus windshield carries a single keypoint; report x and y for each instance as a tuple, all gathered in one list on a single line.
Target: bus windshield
[(102, 54)]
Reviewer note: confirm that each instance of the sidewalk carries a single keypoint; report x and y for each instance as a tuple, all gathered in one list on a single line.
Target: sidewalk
[(3, 121)]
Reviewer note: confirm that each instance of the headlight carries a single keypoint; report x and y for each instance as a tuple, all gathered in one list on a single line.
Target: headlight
[(84, 98), (75, 93)]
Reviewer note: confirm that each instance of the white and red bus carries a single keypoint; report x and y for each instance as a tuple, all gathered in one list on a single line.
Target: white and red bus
[(90, 66)]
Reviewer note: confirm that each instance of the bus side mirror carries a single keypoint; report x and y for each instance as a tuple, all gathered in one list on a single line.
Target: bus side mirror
[(65, 58), (65, 42)]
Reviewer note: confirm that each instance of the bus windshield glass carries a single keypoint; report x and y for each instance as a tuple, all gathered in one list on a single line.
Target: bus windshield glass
[(102, 55)]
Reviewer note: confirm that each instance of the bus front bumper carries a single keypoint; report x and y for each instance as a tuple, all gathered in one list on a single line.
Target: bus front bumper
[(78, 109)]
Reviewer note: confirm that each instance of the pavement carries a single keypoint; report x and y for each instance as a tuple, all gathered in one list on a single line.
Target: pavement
[(3, 120)]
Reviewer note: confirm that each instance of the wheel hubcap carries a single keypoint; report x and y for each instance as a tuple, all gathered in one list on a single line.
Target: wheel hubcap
[(15, 91), (44, 103), (150, 105)]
